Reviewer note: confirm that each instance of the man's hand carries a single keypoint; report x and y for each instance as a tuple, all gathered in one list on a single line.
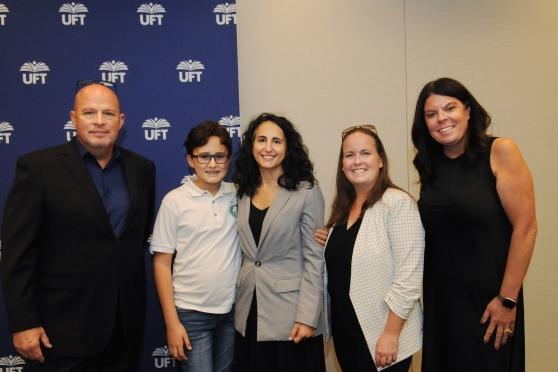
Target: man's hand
[(28, 343)]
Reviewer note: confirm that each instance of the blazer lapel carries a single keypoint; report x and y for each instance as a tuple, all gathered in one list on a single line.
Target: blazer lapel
[(130, 172), (77, 169), (244, 214), (278, 203)]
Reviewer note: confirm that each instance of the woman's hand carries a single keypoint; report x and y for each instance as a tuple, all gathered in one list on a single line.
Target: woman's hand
[(177, 340), (387, 345), (502, 320), (320, 236), (386, 349), (301, 332)]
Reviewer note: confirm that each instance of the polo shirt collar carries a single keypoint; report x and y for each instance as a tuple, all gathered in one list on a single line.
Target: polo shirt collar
[(194, 190)]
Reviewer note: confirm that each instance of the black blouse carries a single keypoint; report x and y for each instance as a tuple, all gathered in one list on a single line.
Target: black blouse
[(338, 256), (255, 219)]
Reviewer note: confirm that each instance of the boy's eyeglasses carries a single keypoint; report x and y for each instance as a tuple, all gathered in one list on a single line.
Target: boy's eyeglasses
[(83, 83), (205, 158)]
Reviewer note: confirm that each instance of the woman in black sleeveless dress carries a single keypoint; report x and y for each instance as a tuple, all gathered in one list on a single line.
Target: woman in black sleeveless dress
[(478, 210)]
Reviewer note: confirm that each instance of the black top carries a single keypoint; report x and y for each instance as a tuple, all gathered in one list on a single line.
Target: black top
[(255, 219), (467, 235), (338, 256)]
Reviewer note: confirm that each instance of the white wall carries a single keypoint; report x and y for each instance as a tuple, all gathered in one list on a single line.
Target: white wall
[(325, 66), (329, 64)]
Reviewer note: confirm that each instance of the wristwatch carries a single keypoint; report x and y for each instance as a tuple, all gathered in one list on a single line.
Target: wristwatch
[(507, 302)]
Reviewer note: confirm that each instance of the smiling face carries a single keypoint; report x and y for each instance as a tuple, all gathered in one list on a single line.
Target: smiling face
[(447, 120), (97, 118), (210, 174), (269, 147), (361, 161)]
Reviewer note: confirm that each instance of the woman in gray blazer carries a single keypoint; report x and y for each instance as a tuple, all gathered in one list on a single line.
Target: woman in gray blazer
[(374, 258), (279, 288)]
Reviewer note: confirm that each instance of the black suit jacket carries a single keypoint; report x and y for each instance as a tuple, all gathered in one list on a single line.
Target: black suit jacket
[(62, 266)]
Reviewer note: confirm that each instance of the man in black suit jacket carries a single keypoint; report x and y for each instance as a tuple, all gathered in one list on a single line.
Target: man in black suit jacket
[(75, 227)]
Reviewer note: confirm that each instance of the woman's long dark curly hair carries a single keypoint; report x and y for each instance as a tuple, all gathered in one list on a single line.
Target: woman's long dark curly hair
[(426, 147), (297, 166)]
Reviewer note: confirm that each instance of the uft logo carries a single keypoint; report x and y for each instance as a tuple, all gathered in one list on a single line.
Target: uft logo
[(190, 71), (113, 71), (34, 72), (151, 14), (5, 132), (233, 208), (162, 357), (232, 124), (225, 14), (3, 9), (11, 364), (73, 14), (156, 128), (70, 130)]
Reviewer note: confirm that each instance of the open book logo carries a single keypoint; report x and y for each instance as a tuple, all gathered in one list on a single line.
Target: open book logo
[(151, 14), (3, 10), (70, 130), (73, 14), (232, 124), (190, 71), (12, 361), (113, 71), (6, 130), (225, 14), (34, 73), (156, 129), (162, 357)]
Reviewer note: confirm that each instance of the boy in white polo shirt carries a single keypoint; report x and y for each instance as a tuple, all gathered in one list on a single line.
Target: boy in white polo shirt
[(197, 223)]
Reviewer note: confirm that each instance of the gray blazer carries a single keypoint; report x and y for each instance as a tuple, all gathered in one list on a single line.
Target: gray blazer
[(285, 268)]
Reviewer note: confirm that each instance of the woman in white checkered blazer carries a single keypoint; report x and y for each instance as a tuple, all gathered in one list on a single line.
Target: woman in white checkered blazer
[(374, 258)]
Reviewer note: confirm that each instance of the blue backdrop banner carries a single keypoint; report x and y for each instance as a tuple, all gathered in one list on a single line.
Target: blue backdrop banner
[(174, 64)]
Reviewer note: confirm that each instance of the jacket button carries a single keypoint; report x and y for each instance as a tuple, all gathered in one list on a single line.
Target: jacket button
[(258, 263)]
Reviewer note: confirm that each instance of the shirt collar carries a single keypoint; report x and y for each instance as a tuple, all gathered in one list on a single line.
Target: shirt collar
[(83, 151), (194, 190)]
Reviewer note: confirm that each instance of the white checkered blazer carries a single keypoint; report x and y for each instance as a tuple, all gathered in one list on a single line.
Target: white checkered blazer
[(386, 271)]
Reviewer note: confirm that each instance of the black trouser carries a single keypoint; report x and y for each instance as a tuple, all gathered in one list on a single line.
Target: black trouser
[(120, 355)]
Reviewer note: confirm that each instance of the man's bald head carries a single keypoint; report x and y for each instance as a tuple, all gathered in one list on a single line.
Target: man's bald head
[(97, 119), (99, 89)]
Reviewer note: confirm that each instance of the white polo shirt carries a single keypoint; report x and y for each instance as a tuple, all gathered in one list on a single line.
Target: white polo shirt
[(202, 230)]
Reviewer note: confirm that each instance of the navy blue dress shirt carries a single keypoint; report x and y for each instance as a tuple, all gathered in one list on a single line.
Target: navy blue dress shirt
[(111, 186)]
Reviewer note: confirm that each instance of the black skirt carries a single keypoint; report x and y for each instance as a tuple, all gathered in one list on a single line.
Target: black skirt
[(275, 356)]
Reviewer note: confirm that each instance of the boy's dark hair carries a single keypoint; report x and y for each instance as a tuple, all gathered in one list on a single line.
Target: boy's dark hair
[(199, 136)]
